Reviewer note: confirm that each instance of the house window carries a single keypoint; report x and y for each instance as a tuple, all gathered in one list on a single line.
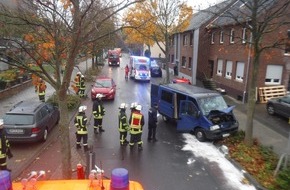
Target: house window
[(287, 45), (222, 37), (220, 67), (273, 74), (185, 39), (189, 63), (212, 38), (191, 39), (229, 66), (172, 58), (240, 71), (244, 37), (183, 61), (232, 36)]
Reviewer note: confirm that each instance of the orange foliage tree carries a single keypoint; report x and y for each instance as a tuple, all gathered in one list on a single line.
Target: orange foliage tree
[(155, 21)]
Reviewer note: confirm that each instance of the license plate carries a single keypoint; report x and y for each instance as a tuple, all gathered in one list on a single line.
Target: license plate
[(16, 131), (226, 135)]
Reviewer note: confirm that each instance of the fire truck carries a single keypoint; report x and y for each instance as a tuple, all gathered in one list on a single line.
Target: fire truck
[(114, 57)]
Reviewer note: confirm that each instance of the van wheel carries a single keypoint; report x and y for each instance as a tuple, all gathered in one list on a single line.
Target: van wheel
[(199, 134), (44, 137), (165, 119)]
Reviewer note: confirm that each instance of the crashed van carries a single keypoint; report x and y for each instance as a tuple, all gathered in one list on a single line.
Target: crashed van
[(201, 111)]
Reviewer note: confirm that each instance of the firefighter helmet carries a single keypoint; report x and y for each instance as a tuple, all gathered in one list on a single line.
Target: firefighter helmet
[(79, 73), (99, 96), (1, 123), (123, 106), (138, 107), (82, 76), (133, 105), (82, 108)]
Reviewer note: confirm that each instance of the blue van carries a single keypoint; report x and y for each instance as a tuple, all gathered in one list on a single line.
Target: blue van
[(201, 111)]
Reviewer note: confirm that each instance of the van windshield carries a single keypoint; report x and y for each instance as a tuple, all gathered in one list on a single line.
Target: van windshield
[(210, 103)]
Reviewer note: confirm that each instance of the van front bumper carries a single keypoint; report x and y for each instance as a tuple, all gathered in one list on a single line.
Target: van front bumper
[(221, 133)]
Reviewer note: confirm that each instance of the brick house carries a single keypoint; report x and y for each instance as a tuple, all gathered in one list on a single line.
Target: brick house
[(231, 53), (188, 50), (220, 50)]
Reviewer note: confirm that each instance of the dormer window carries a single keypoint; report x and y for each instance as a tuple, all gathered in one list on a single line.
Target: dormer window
[(232, 36), (222, 37)]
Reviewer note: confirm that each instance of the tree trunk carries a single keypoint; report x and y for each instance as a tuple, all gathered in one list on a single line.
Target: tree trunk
[(64, 135), (252, 100)]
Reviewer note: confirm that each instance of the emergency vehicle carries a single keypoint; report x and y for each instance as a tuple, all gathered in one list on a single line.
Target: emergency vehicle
[(114, 57), (119, 181), (139, 68), (201, 111)]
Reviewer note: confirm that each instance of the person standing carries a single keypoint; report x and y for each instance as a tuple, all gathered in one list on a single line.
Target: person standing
[(40, 89), (136, 125), (126, 72), (4, 148), (82, 87), (152, 123), (123, 125), (81, 125), (77, 80), (98, 112)]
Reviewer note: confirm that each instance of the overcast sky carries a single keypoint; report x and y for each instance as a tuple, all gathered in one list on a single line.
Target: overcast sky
[(202, 4)]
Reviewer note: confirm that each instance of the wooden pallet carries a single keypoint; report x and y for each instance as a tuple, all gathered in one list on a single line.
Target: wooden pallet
[(266, 93)]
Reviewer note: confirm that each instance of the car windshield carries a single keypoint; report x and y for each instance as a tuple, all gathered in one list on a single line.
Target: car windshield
[(141, 67), (103, 84), (210, 103), (154, 64), (15, 119)]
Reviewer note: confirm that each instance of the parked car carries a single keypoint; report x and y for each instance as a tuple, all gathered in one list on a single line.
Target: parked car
[(30, 121), (155, 69), (105, 86), (279, 106), (181, 80)]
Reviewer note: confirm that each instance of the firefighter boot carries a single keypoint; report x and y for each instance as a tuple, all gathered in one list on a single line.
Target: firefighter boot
[(78, 146), (86, 148), (101, 129), (96, 131)]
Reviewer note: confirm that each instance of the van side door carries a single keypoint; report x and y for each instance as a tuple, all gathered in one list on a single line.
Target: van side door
[(188, 116), (154, 94), (166, 103)]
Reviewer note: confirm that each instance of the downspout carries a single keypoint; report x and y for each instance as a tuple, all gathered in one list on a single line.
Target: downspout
[(248, 68)]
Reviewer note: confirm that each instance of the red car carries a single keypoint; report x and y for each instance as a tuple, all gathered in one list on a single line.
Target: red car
[(105, 86)]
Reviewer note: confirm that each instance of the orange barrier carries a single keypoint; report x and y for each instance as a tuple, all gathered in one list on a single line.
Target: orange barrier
[(71, 185)]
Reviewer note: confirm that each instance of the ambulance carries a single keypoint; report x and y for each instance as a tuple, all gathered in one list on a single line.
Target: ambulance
[(139, 68)]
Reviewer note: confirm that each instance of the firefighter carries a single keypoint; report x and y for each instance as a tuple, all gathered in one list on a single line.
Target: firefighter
[(82, 87), (77, 80), (40, 89), (136, 122), (81, 125), (152, 123), (123, 125), (98, 112), (126, 72), (4, 148)]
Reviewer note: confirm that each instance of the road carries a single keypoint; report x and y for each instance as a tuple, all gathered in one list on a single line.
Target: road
[(176, 161)]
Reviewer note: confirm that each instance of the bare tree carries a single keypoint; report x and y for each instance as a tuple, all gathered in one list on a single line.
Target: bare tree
[(54, 32)]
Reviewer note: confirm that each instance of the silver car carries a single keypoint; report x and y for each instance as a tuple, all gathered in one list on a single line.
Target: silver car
[(279, 106), (30, 121)]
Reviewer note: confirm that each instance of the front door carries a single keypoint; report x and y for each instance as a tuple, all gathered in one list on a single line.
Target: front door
[(188, 116)]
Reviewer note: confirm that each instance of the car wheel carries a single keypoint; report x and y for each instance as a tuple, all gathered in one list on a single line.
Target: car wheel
[(270, 109), (44, 137), (199, 134)]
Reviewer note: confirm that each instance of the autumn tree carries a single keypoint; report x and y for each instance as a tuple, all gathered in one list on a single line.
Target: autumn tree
[(55, 32), (154, 21), (261, 18)]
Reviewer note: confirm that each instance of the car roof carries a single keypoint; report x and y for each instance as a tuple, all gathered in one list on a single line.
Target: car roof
[(25, 107), (103, 77)]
